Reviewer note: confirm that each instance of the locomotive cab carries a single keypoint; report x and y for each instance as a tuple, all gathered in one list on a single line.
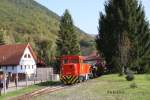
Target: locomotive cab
[(69, 66)]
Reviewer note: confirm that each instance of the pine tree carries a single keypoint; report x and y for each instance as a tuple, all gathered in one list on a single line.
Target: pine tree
[(141, 43), (121, 17), (67, 42)]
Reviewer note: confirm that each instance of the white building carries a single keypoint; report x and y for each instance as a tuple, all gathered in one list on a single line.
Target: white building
[(17, 59)]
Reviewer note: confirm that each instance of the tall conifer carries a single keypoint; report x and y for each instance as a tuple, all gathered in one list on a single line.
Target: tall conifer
[(67, 42), (121, 17)]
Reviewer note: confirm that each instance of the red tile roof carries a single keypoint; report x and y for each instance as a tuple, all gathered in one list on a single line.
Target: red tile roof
[(93, 56), (11, 54)]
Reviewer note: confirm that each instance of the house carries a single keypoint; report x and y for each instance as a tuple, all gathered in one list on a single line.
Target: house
[(17, 59), (94, 57)]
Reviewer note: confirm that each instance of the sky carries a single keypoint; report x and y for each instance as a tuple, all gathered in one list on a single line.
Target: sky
[(85, 13)]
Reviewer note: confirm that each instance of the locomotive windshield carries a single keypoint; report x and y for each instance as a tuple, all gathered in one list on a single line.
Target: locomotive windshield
[(65, 61), (74, 61)]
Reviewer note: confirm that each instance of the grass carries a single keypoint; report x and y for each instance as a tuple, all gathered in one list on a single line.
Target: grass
[(108, 87), (28, 89)]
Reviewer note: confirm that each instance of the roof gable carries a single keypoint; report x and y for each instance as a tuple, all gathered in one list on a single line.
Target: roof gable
[(11, 54)]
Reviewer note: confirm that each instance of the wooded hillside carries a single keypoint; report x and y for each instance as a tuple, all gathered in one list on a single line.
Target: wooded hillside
[(23, 21)]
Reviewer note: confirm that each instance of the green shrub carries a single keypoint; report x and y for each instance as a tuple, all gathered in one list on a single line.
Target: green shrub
[(130, 75)]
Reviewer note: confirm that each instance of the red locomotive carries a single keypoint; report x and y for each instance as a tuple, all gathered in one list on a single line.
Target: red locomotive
[(73, 69)]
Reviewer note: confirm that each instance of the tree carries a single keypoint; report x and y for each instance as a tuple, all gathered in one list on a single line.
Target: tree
[(2, 36), (67, 42), (140, 54), (123, 49), (43, 50), (122, 19)]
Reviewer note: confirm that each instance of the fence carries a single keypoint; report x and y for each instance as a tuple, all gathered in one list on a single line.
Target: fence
[(44, 74)]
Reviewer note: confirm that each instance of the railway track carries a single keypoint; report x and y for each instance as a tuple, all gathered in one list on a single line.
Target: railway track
[(39, 92), (46, 90)]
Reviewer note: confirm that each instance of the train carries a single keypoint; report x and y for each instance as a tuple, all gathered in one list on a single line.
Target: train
[(73, 69)]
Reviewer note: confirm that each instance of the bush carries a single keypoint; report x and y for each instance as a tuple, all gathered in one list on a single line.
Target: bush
[(130, 75), (133, 85)]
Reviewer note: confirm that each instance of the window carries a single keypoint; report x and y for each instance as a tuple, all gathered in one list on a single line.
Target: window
[(65, 61), (21, 67), (6, 67), (25, 56), (32, 66), (25, 66), (12, 67), (74, 61), (29, 66), (29, 56), (0, 67)]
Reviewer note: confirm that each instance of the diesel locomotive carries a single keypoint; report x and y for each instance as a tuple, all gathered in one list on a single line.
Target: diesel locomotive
[(73, 69)]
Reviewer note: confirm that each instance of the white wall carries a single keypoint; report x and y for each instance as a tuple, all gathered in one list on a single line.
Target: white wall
[(9, 69), (28, 62)]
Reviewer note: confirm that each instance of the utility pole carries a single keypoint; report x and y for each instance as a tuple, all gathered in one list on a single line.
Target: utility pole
[(26, 79), (4, 84), (17, 80)]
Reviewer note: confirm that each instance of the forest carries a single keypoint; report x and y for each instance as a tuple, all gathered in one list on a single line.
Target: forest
[(26, 21)]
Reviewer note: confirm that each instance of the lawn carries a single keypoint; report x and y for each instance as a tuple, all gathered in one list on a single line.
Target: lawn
[(28, 89), (108, 87)]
